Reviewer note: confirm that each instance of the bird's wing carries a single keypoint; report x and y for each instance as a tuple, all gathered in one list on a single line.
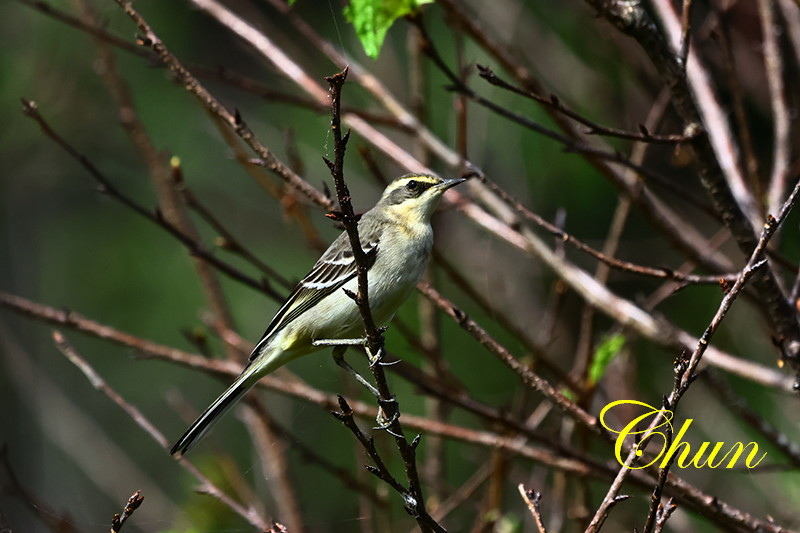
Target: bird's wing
[(331, 272)]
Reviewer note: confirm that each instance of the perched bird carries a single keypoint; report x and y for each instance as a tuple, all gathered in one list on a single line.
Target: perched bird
[(396, 235)]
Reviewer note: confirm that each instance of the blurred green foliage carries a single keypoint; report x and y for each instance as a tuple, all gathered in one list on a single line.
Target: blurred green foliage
[(371, 19)]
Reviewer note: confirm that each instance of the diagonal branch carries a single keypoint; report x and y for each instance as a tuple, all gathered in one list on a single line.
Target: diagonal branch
[(97, 381)]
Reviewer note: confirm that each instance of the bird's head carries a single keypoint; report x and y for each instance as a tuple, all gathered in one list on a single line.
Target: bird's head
[(415, 196)]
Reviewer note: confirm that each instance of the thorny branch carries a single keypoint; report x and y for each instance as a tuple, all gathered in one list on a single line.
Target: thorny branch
[(413, 499)]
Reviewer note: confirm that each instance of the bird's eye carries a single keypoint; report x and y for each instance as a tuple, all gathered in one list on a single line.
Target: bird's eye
[(412, 185)]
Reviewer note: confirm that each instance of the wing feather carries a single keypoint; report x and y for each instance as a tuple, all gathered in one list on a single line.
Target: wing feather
[(329, 274)]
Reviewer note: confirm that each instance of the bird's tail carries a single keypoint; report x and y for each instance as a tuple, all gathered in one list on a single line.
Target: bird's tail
[(219, 407)]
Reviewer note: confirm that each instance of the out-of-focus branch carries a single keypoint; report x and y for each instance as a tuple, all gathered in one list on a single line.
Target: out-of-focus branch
[(715, 151), (773, 62), (629, 164), (274, 466), (527, 375), (736, 404), (477, 214), (618, 264), (677, 231), (12, 486), (196, 248), (622, 310), (792, 17), (734, 85), (227, 241), (207, 486), (269, 50), (698, 106), (183, 77), (685, 492), (686, 368), (594, 128), (171, 208), (132, 504), (297, 389), (406, 118), (92, 29)]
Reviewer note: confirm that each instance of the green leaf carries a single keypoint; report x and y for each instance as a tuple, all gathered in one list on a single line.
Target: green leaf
[(608, 349), (373, 18)]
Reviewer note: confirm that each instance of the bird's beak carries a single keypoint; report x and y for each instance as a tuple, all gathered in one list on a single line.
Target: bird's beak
[(446, 184)]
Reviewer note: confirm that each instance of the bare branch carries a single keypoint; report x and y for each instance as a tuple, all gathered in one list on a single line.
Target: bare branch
[(250, 515), (716, 153), (183, 77), (133, 503), (532, 499), (773, 62)]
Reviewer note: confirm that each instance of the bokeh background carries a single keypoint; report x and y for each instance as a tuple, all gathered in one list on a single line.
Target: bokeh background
[(65, 244)]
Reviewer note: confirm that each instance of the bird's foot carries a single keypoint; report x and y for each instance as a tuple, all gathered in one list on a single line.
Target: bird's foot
[(338, 357), (339, 342)]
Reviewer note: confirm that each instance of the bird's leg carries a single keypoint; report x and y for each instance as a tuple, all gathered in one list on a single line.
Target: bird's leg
[(338, 356), (388, 410), (339, 342)]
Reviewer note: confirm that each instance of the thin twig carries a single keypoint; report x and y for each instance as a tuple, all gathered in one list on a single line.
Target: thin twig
[(691, 496), (682, 235), (500, 315), (696, 103), (624, 266), (555, 103), (313, 456), (532, 499), (736, 404), (569, 145), (688, 368), (781, 116), (250, 515), (183, 77), (90, 28), (477, 215), (734, 84), (664, 512), (171, 208), (716, 153), (226, 240), (30, 109), (529, 377), (133, 503), (686, 32)]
